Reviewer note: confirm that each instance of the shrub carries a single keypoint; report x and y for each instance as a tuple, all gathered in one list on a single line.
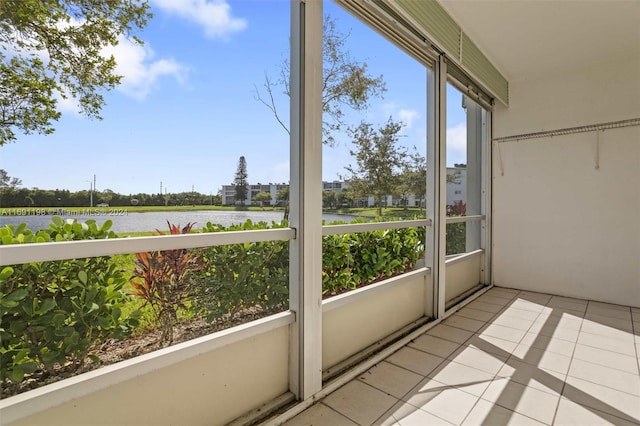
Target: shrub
[(352, 260), (242, 276), (163, 280), (52, 312)]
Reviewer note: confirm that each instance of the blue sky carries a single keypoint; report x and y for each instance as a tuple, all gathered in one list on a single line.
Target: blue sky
[(186, 110)]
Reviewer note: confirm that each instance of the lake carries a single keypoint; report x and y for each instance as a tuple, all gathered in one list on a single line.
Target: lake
[(124, 221)]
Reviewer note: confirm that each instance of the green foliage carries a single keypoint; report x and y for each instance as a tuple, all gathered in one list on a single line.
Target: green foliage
[(52, 312), (262, 197), (346, 83), (457, 232), (71, 34), (353, 260), (241, 181), (379, 161), (240, 276), (456, 238), (414, 177)]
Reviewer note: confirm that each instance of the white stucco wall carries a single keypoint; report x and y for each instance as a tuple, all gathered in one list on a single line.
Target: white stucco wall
[(559, 224)]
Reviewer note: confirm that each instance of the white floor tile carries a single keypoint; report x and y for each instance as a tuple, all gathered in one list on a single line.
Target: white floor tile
[(608, 343), (414, 360), (319, 414), (564, 312), (493, 299), (527, 350), (607, 326), (568, 303), (602, 398), (434, 345), (606, 358), (452, 334), (571, 414), (472, 357), (522, 399), (463, 323), (391, 379), (547, 343), (360, 402), (537, 298), (502, 332), (492, 345), (560, 321), (533, 376), (465, 378), (546, 359), (513, 312), (475, 314), (549, 328), (605, 376), (504, 293), (607, 310), (404, 414), (486, 413), (445, 402), (487, 307), (526, 305), (512, 322)]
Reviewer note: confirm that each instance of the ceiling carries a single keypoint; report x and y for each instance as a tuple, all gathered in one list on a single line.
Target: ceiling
[(526, 39)]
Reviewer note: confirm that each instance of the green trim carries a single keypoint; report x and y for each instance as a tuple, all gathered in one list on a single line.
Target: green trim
[(442, 29), (439, 28), (482, 69)]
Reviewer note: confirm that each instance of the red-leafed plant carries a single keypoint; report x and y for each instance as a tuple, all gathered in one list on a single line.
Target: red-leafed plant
[(163, 280), (458, 208)]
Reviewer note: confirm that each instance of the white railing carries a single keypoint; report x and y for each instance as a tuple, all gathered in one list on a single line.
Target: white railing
[(12, 254), (373, 226), (461, 219)]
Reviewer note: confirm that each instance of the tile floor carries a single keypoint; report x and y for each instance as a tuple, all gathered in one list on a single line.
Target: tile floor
[(509, 357)]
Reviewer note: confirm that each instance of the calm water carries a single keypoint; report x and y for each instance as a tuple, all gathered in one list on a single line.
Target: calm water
[(124, 221)]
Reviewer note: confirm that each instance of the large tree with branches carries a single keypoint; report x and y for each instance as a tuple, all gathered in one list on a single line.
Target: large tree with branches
[(55, 48), (379, 161), (346, 83)]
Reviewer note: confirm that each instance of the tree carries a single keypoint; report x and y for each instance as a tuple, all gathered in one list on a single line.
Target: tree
[(262, 197), (414, 176), (328, 198), (240, 182), (344, 199), (379, 160), (7, 182), (283, 196), (53, 48), (346, 83)]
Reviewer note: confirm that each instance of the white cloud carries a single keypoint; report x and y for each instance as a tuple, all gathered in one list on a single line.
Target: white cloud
[(139, 71), (407, 116), (213, 16), (457, 144), (68, 105)]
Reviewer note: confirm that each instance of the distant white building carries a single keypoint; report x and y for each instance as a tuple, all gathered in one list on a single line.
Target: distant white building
[(456, 191), (456, 184), (229, 193)]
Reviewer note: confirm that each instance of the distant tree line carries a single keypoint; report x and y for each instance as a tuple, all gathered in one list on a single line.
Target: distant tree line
[(35, 197)]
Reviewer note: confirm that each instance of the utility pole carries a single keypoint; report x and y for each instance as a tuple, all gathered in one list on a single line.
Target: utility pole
[(92, 187)]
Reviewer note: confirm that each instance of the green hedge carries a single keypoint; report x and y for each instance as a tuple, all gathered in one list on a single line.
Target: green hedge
[(51, 313)]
